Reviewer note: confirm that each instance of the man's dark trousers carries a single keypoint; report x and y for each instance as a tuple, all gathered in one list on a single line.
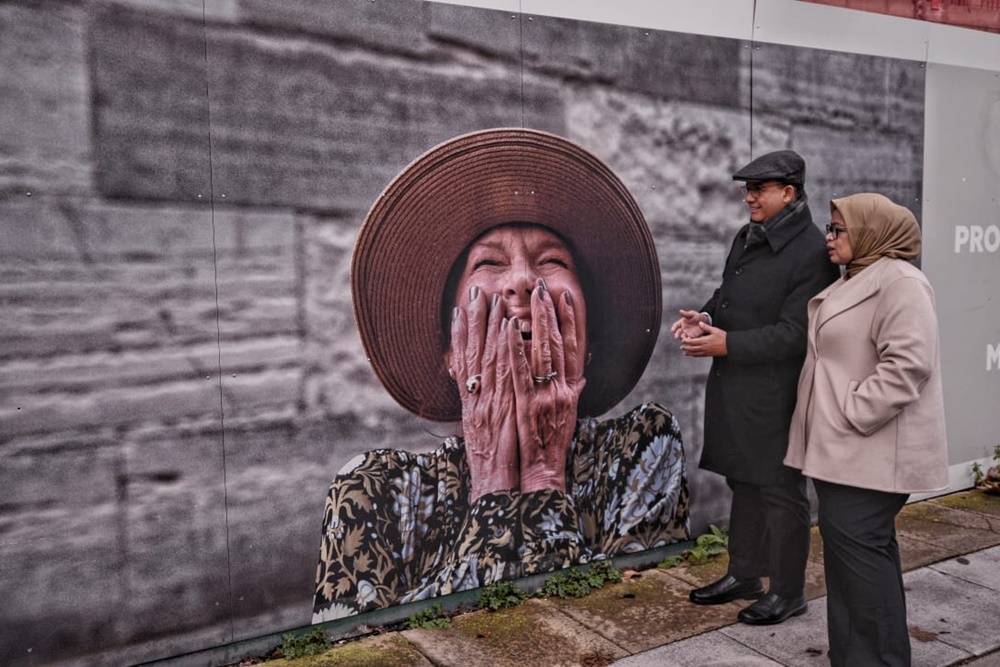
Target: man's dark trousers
[(769, 534)]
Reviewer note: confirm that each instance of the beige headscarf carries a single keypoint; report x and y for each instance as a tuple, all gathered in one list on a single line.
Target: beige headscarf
[(877, 228)]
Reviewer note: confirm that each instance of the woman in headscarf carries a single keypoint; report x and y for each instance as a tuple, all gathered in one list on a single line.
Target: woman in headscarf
[(869, 424), (507, 280)]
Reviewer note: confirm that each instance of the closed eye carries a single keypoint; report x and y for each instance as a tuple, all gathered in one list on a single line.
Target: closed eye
[(478, 264), (556, 260)]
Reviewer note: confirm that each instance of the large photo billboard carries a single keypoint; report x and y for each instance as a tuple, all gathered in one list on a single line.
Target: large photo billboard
[(190, 353)]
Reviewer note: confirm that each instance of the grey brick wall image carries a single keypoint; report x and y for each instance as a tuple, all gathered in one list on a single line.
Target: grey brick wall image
[(180, 189)]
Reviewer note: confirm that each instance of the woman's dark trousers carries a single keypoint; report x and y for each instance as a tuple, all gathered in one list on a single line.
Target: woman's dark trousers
[(866, 605)]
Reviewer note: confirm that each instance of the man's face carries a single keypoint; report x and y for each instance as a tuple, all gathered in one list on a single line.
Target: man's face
[(765, 199)]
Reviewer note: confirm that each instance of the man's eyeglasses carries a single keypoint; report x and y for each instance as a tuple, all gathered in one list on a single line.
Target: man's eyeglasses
[(755, 188), (835, 230)]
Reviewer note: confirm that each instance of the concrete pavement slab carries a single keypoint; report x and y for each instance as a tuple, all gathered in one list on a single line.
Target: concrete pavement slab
[(954, 611), (981, 567), (991, 660), (646, 612), (914, 553), (701, 575), (802, 642), (712, 649), (931, 653), (956, 531), (533, 633), (798, 642), (972, 501)]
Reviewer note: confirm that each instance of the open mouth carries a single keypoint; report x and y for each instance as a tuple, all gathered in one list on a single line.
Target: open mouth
[(525, 326)]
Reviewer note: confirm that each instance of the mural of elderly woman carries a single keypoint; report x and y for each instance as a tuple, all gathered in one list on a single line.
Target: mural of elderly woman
[(506, 280), (869, 422)]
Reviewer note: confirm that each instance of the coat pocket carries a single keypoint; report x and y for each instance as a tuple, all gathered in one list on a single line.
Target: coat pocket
[(852, 386)]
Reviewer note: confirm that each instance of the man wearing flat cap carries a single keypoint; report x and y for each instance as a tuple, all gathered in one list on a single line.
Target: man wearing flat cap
[(754, 328)]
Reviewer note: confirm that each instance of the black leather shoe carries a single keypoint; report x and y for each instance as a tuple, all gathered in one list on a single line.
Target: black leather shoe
[(772, 609), (727, 589)]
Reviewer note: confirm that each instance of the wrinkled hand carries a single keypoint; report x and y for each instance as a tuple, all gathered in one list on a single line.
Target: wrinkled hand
[(480, 364), (687, 326), (712, 343), (546, 409)]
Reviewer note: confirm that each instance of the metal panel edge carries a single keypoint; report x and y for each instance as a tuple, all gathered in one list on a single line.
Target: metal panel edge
[(797, 23), (716, 18)]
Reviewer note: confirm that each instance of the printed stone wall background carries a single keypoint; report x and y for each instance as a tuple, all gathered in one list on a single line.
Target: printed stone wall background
[(180, 189)]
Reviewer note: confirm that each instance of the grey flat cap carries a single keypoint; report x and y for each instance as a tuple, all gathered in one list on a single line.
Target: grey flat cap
[(785, 166)]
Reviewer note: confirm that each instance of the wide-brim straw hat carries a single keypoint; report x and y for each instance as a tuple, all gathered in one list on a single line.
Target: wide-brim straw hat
[(448, 197)]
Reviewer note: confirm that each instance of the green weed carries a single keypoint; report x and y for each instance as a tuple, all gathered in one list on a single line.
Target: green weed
[(430, 618), (501, 595), (311, 643), (576, 584), (708, 546), (990, 479)]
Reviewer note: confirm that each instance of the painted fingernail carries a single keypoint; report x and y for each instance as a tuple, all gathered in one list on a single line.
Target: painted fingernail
[(568, 298), (473, 292), (495, 301), (541, 283), (503, 324), (454, 314)]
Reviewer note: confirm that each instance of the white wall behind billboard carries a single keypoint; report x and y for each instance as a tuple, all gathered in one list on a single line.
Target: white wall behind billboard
[(962, 251)]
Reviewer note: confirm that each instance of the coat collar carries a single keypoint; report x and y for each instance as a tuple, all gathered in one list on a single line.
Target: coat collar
[(844, 294), (787, 224)]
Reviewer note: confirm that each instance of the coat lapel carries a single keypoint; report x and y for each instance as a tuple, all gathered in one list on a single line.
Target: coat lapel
[(843, 295)]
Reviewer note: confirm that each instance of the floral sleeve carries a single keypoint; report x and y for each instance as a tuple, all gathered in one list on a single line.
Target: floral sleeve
[(397, 527), (389, 519), (629, 480)]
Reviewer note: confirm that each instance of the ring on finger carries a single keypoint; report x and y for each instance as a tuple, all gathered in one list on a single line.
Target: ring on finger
[(472, 384), (542, 379)]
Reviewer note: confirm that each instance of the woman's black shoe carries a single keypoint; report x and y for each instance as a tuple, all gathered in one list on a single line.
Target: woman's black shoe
[(727, 589)]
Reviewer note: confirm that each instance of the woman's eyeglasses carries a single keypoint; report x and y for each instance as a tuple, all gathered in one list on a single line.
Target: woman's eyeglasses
[(835, 230)]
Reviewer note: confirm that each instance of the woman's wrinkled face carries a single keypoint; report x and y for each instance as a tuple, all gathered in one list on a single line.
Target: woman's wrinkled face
[(838, 244), (509, 260)]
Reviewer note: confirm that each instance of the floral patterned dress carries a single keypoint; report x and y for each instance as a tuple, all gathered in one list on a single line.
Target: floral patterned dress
[(398, 526)]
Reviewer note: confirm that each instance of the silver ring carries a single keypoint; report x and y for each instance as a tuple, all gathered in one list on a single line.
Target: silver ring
[(472, 384), (541, 379)]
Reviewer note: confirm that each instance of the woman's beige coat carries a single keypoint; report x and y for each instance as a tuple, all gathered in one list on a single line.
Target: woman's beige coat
[(870, 412)]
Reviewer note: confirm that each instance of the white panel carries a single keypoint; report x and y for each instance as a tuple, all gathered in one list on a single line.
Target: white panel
[(836, 29), (967, 48), (503, 5), (961, 253), (718, 18), (790, 22)]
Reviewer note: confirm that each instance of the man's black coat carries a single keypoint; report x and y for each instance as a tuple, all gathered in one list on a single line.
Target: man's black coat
[(761, 304)]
